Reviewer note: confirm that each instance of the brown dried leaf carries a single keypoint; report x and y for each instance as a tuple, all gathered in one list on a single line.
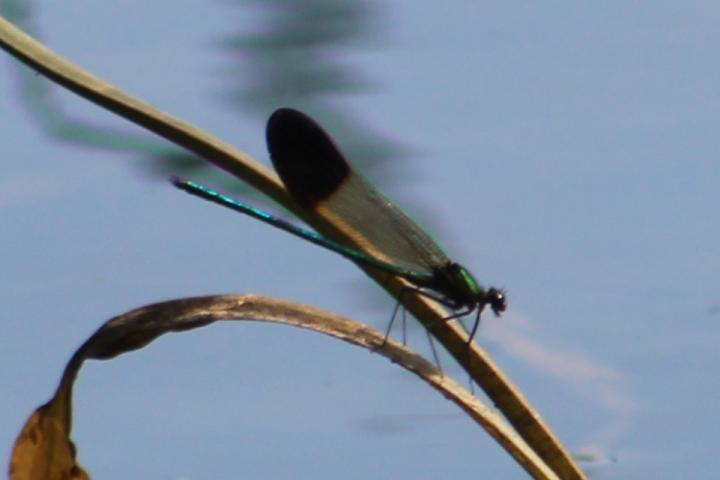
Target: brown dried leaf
[(44, 451)]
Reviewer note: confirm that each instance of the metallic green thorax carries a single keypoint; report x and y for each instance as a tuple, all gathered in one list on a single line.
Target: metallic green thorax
[(471, 284)]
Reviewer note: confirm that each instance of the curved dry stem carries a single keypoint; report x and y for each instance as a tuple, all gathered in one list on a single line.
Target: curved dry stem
[(506, 397), (137, 328)]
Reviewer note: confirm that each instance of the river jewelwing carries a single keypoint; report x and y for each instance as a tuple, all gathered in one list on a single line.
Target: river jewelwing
[(318, 177)]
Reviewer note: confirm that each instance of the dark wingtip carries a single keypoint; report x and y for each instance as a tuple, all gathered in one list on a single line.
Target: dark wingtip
[(307, 159), (283, 122), (287, 124)]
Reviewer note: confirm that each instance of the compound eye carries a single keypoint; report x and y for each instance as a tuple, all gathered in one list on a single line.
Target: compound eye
[(497, 300)]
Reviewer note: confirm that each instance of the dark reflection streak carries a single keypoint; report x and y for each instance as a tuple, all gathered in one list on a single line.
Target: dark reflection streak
[(284, 52)]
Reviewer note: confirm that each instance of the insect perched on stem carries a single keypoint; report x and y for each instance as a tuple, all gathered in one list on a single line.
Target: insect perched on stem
[(317, 176)]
